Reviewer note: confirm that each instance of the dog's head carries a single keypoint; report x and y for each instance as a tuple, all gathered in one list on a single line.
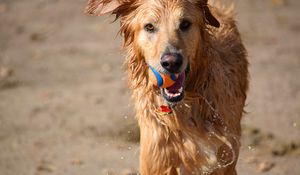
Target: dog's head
[(166, 34)]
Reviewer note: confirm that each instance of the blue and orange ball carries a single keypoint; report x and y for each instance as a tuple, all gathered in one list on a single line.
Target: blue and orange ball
[(160, 79)]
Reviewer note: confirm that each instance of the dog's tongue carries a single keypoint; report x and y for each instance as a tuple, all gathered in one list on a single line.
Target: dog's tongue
[(178, 84)]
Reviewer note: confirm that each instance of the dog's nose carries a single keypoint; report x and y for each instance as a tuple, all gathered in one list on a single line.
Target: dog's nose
[(172, 62)]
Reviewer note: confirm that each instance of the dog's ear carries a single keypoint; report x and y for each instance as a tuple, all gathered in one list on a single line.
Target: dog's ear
[(101, 7), (210, 19)]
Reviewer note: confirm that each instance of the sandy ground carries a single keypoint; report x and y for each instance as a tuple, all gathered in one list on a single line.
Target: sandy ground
[(64, 105)]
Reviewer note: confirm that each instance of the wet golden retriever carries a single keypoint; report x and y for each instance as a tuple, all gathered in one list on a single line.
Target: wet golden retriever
[(192, 127)]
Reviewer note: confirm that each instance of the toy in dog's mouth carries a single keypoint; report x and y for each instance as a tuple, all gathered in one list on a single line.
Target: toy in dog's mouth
[(175, 93), (171, 85)]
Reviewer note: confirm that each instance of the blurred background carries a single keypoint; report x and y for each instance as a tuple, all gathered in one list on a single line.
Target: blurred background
[(65, 108)]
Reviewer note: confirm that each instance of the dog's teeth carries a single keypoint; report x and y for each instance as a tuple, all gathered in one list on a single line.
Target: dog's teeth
[(181, 89), (167, 92), (172, 95)]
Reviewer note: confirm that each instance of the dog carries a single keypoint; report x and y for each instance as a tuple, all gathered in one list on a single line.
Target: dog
[(192, 127)]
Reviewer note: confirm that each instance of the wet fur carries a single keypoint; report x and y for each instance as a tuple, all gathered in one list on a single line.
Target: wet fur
[(191, 139)]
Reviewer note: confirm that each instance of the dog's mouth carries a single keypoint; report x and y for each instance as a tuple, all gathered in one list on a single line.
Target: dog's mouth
[(175, 93)]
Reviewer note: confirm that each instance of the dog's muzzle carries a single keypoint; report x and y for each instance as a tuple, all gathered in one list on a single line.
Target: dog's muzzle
[(175, 93)]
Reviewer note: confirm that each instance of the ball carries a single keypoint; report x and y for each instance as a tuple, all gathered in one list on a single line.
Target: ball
[(161, 80)]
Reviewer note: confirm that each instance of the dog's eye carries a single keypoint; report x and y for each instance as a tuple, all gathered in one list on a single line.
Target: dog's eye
[(149, 28), (185, 25)]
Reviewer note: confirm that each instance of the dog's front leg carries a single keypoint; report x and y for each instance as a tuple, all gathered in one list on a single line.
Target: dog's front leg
[(156, 156)]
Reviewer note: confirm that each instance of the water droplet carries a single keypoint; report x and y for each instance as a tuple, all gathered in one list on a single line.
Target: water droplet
[(294, 124), (129, 148), (122, 158), (125, 117), (250, 147)]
